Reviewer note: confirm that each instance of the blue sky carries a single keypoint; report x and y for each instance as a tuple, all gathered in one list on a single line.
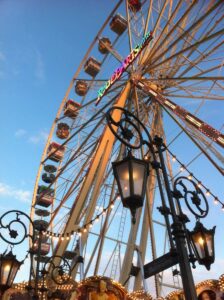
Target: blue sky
[(41, 45), (40, 48)]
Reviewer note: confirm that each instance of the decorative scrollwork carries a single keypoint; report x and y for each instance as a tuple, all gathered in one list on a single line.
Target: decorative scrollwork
[(128, 130), (194, 198), (13, 227), (59, 273)]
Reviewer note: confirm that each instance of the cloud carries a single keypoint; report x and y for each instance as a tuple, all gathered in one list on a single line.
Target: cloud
[(40, 68), (20, 132), (40, 137), (2, 56), (18, 194)]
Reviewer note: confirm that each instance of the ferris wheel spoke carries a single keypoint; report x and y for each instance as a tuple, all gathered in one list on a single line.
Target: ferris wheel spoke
[(82, 127), (164, 32), (202, 56), (186, 32), (208, 146), (178, 63), (194, 97), (195, 77), (154, 51), (154, 66), (73, 186), (114, 52), (71, 159), (190, 78), (129, 26), (102, 236), (211, 70), (194, 140), (184, 115), (207, 88), (219, 66), (149, 14), (192, 90), (160, 16), (194, 63)]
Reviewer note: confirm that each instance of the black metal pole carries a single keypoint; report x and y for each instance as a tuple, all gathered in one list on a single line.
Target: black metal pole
[(178, 230), (36, 296), (178, 233)]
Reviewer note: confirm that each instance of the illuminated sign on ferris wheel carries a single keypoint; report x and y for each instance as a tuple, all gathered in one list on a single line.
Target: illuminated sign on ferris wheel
[(125, 64)]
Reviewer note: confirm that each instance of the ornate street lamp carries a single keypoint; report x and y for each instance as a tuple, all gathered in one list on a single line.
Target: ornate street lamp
[(131, 176), (13, 230), (202, 241), (9, 267)]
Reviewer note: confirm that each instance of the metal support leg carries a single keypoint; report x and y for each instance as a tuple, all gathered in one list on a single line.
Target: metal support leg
[(142, 269)]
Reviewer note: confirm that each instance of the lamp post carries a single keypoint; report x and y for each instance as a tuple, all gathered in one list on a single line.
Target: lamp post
[(60, 274), (13, 230), (131, 176), (9, 267), (200, 240)]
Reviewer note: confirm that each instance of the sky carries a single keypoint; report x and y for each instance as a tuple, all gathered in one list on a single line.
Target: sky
[(40, 48), (41, 45)]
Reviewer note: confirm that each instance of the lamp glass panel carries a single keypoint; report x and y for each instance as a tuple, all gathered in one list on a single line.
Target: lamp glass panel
[(15, 268), (5, 269), (199, 243), (138, 177), (209, 241), (123, 177)]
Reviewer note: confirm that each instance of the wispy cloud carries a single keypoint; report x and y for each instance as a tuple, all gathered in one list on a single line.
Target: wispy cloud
[(40, 137), (40, 68), (2, 56), (15, 193), (20, 132)]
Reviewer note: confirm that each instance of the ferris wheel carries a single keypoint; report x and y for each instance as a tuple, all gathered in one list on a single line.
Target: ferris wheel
[(163, 62)]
